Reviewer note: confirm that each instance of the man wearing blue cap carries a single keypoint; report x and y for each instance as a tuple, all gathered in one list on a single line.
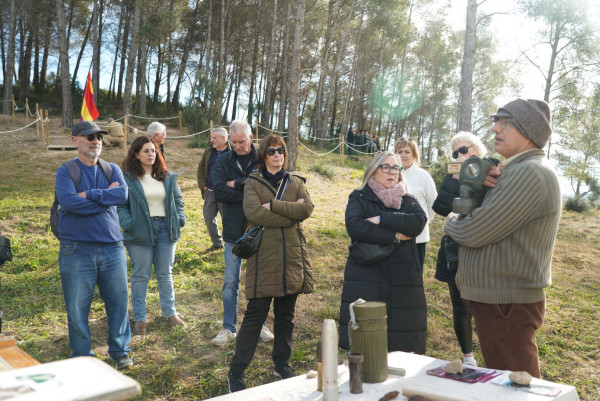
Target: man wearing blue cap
[(506, 244), (88, 190)]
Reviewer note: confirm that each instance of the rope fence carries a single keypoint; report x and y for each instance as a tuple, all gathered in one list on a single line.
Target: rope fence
[(20, 129)]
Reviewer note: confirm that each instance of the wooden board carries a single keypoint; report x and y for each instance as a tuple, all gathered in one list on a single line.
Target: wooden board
[(14, 356), (61, 147)]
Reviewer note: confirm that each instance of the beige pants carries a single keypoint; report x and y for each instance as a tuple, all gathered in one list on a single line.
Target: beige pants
[(113, 141)]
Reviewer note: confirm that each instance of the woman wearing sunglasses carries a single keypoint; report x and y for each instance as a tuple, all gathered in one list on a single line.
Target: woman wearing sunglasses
[(420, 185), (380, 211), (151, 219), (280, 269), (463, 145)]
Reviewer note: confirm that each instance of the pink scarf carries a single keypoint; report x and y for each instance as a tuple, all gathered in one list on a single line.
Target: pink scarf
[(392, 197)]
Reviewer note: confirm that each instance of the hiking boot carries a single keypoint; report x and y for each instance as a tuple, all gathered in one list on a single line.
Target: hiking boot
[(469, 360), (213, 248), (284, 372), (223, 338), (235, 383), (266, 335), (139, 328), (124, 362), (175, 321)]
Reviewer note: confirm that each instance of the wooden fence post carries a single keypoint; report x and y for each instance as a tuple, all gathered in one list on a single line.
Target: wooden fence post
[(37, 124), (26, 110), (180, 125), (47, 129), (257, 130), (13, 107), (341, 144)]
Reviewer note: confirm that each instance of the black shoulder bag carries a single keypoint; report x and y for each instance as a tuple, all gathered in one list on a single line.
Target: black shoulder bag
[(248, 244)]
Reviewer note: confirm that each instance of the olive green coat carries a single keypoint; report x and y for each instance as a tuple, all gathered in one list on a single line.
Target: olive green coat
[(280, 266)]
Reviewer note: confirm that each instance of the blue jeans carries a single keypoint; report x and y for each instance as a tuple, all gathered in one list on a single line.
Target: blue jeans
[(162, 254), (231, 287), (83, 265)]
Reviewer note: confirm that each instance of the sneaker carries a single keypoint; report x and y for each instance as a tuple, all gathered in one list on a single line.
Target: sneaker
[(469, 360), (223, 338), (266, 335), (124, 362), (139, 328), (235, 383), (284, 372), (175, 321)]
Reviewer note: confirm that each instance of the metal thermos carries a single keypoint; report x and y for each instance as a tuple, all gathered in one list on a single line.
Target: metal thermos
[(368, 336)]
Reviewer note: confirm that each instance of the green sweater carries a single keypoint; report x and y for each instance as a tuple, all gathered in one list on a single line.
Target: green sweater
[(507, 243)]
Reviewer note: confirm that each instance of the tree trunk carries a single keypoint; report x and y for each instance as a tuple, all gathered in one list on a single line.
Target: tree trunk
[(351, 80), (10, 63), (124, 48), (251, 103), (113, 75), (63, 44), (85, 39), (284, 71), (270, 67), (131, 59), (158, 77), (293, 129), (97, 46), (465, 105), (140, 95), (43, 69)]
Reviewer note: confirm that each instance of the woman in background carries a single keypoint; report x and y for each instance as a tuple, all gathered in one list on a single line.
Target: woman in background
[(463, 145), (420, 185), (151, 219), (280, 269), (381, 212)]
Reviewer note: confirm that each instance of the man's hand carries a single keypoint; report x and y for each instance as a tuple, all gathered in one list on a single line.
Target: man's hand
[(82, 194), (113, 185), (301, 200), (402, 237), (231, 184), (492, 177)]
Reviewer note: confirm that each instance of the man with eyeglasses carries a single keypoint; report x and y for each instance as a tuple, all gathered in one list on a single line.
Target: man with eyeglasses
[(158, 132), (88, 190), (507, 243), (228, 176)]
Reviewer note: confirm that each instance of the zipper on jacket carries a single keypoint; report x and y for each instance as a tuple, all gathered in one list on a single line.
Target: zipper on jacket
[(302, 240), (284, 263)]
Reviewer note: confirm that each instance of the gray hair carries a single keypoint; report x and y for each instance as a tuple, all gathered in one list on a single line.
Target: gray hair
[(464, 136), (220, 131), (240, 127), (375, 162), (156, 128), (110, 120)]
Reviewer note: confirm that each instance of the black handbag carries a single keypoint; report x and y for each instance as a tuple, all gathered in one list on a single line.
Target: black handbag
[(5, 250), (366, 253), (248, 244)]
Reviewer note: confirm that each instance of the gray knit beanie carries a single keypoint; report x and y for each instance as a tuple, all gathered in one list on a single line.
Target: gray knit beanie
[(532, 118)]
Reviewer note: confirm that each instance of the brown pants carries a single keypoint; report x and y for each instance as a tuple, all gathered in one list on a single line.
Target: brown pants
[(109, 140), (507, 335)]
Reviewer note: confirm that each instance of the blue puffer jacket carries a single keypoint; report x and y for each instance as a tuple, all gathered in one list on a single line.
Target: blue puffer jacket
[(134, 216)]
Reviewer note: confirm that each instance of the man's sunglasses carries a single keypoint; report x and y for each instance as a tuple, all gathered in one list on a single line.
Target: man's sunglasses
[(463, 151), (90, 137), (271, 151)]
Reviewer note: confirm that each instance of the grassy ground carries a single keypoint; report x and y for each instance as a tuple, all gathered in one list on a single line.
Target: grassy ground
[(180, 364)]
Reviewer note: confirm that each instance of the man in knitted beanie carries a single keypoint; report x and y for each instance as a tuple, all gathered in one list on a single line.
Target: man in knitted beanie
[(507, 243)]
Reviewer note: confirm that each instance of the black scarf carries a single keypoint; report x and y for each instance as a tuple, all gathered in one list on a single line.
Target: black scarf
[(273, 178)]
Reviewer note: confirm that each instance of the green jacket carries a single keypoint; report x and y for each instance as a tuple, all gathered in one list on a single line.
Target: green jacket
[(134, 216), (281, 266)]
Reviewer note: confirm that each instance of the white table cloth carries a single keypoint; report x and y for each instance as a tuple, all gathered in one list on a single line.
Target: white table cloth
[(301, 388)]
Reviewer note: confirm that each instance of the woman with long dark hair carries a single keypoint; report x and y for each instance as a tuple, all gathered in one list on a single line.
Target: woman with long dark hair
[(151, 219)]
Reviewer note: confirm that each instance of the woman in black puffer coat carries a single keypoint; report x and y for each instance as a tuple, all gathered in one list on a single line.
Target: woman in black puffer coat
[(381, 212)]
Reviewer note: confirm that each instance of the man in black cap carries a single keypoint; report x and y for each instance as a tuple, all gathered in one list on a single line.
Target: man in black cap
[(507, 243), (88, 190)]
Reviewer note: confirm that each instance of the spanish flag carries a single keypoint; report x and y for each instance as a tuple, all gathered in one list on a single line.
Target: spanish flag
[(89, 112)]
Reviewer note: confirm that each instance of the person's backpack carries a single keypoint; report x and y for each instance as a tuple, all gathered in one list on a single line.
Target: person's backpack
[(75, 173)]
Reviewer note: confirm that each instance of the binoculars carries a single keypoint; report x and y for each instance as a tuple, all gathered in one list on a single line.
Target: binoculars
[(472, 174)]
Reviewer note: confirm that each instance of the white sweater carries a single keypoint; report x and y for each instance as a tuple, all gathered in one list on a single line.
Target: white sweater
[(422, 187)]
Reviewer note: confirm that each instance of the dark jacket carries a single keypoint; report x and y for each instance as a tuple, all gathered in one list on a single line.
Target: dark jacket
[(281, 266), (203, 168), (227, 169), (397, 280), (134, 216), (447, 261)]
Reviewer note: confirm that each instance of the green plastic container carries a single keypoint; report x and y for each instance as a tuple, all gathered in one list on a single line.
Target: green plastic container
[(370, 340)]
